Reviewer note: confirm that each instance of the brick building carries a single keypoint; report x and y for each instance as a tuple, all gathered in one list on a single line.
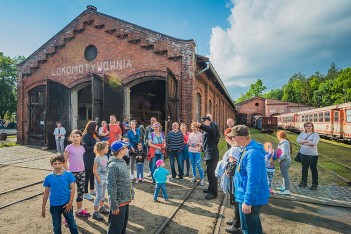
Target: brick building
[(258, 106), (99, 65)]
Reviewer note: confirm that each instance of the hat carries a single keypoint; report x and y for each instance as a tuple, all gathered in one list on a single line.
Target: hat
[(239, 130), (117, 145), (205, 118), (159, 162)]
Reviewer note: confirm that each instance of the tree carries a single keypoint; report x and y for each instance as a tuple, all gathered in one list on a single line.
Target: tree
[(275, 94), (256, 89), (8, 72)]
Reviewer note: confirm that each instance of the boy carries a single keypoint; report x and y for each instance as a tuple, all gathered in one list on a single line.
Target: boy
[(60, 185), (140, 156), (119, 188)]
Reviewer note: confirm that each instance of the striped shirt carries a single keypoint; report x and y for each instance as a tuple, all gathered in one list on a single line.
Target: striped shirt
[(175, 141)]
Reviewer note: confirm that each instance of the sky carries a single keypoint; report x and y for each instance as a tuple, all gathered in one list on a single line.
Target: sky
[(245, 40)]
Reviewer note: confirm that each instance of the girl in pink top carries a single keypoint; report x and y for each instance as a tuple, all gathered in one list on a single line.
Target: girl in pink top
[(74, 157), (195, 144)]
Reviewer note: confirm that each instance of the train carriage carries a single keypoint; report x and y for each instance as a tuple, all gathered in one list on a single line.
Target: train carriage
[(332, 122)]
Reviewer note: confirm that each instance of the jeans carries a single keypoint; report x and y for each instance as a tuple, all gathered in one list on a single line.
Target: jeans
[(118, 223), (60, 146), (185, 157), (100, 191), (153, 164), (176, 155), (251, 223), (212, 179), (56, 213), (309, 161), (270, 175), (195, 159), (284, 169), (140, 170), (161, 186)]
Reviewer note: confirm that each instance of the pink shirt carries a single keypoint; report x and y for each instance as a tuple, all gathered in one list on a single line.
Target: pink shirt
[(75, 158), (194, 139)]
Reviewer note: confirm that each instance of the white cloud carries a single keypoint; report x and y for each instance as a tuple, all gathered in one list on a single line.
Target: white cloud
[(273, 39)]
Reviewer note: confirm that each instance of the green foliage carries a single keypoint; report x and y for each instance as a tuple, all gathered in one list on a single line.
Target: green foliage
[(274, 94), (256, 89), (8, 94)]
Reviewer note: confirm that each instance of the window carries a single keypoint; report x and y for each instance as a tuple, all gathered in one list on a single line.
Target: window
[(303, 118), (320, 119), (198, 107), (336, 116), (310, 117), (90, 53), (348, 116), (314, 117), (326, 116), (257, 104)]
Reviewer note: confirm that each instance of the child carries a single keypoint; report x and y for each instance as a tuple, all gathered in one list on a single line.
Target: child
[(100, 172), (60, 185), (270, 167), (284, 160), (126, 157), (60, 133), (119, 188), (160, 176), (74, 155), (140, 156)]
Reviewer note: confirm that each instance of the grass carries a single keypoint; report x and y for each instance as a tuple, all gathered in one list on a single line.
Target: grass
[(7, 144), (337, 151)]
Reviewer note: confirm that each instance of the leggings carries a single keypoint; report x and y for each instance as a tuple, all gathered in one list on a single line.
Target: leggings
[(89, 177), (80, 181), (284, 169), (270, 175)]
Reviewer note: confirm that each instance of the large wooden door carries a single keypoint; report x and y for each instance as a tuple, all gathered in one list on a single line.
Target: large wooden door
[(171, 99), (97, 90), (57, 109), (37, 113)]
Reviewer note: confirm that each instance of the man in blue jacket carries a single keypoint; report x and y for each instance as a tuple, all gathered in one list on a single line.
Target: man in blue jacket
[(251, 185)]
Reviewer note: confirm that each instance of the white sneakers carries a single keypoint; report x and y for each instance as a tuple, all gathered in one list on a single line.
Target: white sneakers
[(202, 183), (285, 192)]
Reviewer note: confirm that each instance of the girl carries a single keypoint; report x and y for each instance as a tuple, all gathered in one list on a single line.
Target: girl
[(270, 167), (119, 188), (100, 172), (160, 176), (157, 145), (90, 137), (194, 151), (284, 160), (140, 156), (185, 153), (134, 137), (74, 157)]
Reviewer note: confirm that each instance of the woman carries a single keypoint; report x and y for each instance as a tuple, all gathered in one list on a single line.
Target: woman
[(90, 137), (157, 145), (185, 155), (284, 158), (134, 137), (309, 154), (194, 152)]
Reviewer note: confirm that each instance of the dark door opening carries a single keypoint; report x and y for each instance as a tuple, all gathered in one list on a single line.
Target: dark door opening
[(147, 99), (84, 107), (37, 113)]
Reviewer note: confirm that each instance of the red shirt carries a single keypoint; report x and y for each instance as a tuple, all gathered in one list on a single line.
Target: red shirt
[(186, 135), (114, 131)]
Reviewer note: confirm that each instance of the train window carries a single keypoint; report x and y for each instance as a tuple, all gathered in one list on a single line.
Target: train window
[(314, 117), (320, 117), (348, 116), (326, 116), (302, 118), (336, 116), (310, 118)]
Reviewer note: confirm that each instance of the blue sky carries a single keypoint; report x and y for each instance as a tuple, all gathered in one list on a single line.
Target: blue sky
[(245, 39)]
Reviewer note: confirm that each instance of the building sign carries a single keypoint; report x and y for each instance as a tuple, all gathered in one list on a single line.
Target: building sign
[(110, 65)]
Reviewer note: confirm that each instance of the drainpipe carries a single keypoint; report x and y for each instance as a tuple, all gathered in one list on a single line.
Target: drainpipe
[(203, 70)]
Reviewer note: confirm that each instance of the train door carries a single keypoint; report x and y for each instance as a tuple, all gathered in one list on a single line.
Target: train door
[(335, 123)]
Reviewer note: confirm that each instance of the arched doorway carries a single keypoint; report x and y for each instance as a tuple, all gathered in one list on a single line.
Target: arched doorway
[(147, 99), (81, 105)]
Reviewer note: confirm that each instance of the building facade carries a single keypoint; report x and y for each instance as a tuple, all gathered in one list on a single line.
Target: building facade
[(99, 65)]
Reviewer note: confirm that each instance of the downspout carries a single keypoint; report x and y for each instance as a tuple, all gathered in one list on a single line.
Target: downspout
[(203, 70)]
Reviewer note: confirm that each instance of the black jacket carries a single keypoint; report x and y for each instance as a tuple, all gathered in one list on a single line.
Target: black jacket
[(209, 142)]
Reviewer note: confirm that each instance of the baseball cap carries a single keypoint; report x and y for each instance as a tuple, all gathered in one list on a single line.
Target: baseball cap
[(117, 145), (159, 162), (205, 118), (239, 130)]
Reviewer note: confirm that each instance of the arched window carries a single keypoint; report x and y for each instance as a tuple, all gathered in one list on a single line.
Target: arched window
[(210, 107), (198, 107)]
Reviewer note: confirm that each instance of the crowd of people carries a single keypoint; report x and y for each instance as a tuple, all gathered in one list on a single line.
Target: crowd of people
[(112, 157)]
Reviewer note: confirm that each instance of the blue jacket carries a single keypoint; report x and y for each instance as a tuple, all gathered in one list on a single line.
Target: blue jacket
[(160, 175), (251, 185)]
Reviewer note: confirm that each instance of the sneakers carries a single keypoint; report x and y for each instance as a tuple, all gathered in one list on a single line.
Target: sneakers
[(202, 183), (193, 180), (137, 180), (314, 187), (97, 216), (302, 185), (64, 222), (132, 177), (142, 180), (88, 196), (281, 188), (82, 213), (148, 174), (181, 178), (285, 192), (92, 192), (156, 200), (103, 210)]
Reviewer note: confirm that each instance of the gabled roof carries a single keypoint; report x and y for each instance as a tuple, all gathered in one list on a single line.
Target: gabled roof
[(249, 100), (148, 39)]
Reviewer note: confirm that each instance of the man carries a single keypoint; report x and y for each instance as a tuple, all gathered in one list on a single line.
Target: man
[(113, 130), (175, 144), (216, 127), (149, 130), (209, 142), (230, 124), (251, 185)]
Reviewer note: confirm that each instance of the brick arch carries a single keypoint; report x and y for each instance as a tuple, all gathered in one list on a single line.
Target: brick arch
[(79, 81), (143, 74), (35, 84)]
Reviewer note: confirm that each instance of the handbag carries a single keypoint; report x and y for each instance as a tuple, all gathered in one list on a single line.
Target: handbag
[(298, 155)]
